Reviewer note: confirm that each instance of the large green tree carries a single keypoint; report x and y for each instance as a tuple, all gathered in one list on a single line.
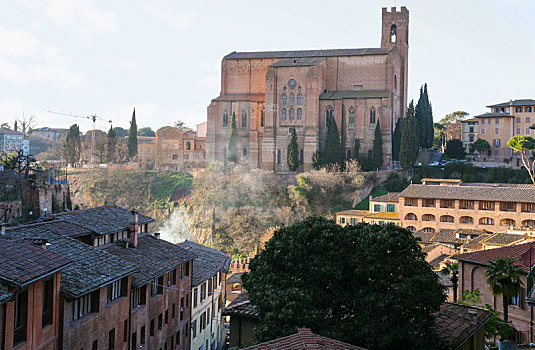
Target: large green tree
[(112, 142), (452, 270), (408, 152), (455, 149), (396, 139), (424, 117), (146, 131), (333, 153), (293, 152), (504, 278), (378, 147), (523, 145), (480, 145), (72, 146), (232, 142), (132, 137), (367, 285)]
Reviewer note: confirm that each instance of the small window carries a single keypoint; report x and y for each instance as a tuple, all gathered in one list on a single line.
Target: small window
[(244, 120), (299, 114), (48, 302), (393, 33), (278, 156), (21, 318), (291, 117), (496, 120), (283, 114), (188, 146), (292, 83), (372, 118), (244, 152), (262, 117), (328, 115), (497, 131), (301, 157), (395, 82), (111, 339), (292, 99), (225, 119), (299, 99), (377, 208), (390, 208), (518, 109), (283, 100), (351, 123)]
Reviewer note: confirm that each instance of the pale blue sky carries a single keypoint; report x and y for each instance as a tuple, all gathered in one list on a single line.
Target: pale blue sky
[(163, 57)]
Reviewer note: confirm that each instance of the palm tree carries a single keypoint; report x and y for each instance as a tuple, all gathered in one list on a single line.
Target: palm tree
[(452, 269), (503, 276)]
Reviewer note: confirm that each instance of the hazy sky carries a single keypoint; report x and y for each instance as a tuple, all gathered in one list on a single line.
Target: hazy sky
[(163, 57)]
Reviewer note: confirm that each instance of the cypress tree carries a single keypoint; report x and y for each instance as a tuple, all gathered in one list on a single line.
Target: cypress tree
[(421, 119), (232, 141), (293, 152), (15, 127), (71, 148), (112, 140), (356, 149), (377, 147), (429, 118), (333, 149), (408, 152), (132, 137), (342, 137), (396, 139)]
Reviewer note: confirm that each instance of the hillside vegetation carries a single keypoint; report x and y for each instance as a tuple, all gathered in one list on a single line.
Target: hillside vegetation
[(229, 207)]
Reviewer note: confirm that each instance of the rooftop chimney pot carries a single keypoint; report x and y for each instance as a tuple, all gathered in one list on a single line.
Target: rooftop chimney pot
[(134, 228)]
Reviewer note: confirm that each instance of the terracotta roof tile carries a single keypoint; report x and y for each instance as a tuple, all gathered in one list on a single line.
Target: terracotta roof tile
[(241, 306), (21, 262), (307, 53), (436, 261), (455, 323), (235, 278), (484, 257), (504, 238), (303, 339), (425, 237), (477, 242), (524, 102), (354, 212), (389, 197)]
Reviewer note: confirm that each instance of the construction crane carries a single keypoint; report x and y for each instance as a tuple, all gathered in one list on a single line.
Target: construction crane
[(92, 117)]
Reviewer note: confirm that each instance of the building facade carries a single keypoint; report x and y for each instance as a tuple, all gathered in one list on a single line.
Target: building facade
[(271, 93), (12, 141), (469, 132), (177, 149)]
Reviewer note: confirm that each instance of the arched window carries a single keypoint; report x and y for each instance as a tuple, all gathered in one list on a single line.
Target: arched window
[(447, 218), (301, 157), (283, 100), (292, 99), (372, 117), (225, 119), (395, 82), (299, 99), (278, 156), (486, 221), (291, 116), (328, 115), (188, 146), (283, 114), (411, 216), (466, 220), (393, 33), (411, 228), (429, 230), (262, 117), (507, 222), (299, 114), (244, 120), (351, 123), (428, 217), (529, 223)]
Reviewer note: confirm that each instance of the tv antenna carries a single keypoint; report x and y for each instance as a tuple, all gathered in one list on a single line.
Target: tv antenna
[(92, 117)]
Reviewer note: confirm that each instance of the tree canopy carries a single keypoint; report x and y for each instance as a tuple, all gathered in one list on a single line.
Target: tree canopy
[(523, 145), (146, 131), (408, 152), (504, 278), (132, 137), (71, 147), (367, 285), (480, 145), (180, 125), (453, 117), (455, 149), (424, 117)]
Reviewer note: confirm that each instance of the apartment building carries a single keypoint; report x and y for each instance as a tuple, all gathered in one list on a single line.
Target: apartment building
[(11, 141), (451, 204), (382, 210), (504, 121), (210, 268), (469, 132)]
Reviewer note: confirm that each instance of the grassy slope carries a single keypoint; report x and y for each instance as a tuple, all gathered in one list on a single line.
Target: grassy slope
[(376, 192)]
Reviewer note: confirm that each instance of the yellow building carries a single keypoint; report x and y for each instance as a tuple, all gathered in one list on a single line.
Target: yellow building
[(382, 210)]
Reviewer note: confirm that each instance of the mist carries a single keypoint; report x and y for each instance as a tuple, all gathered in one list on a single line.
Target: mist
[(175, 229)]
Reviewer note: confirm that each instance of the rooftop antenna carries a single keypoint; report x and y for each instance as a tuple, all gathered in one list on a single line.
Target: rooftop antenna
[(92, 117)]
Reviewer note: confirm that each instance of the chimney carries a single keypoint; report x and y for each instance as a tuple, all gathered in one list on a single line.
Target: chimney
[(133, 228), (157, 235)]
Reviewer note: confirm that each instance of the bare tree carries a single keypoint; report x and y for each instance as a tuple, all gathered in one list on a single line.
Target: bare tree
[(26, 123)]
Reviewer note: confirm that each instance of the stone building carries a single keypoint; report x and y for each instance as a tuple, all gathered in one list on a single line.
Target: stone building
[(177, 149), (270, 93)]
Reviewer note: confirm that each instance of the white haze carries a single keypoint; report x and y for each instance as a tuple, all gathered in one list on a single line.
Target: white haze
[(175, 229)]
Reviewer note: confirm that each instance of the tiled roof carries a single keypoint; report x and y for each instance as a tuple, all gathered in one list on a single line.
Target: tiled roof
[(5, 296), (425, 237), (8, 131), (208, 262), (445, 235), (493, 115), (103, 220), (430, 179), (430, 248), (235, 278), (484, 257), (241, 97), (153, 257), (241, 306), (384, 215), (298, 62), (524, 102), (476, 243), (22, 262), (389, 197), (307, 53), (504, 238), (68, 229), (439, 259), (89, 269), (444, 279), (358, 94), (456, 323), (354, 212), (524, 194), (303, 339)]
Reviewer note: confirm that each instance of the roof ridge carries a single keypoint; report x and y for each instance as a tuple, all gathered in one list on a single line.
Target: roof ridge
[(85, 209)]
